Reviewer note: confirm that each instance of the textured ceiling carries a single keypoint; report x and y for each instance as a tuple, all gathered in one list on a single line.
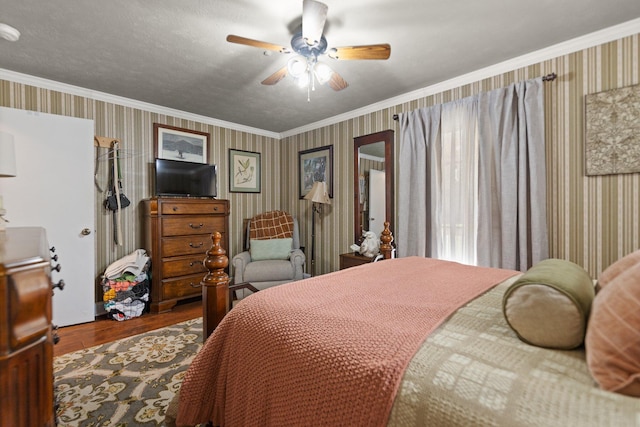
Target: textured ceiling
[(174, 54)]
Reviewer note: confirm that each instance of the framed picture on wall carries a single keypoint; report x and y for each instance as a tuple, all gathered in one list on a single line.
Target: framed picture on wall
[(315, 164), (244, 171), (175, 143)]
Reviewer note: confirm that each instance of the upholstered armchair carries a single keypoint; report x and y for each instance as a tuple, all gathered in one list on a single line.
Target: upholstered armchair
[(273, 255)]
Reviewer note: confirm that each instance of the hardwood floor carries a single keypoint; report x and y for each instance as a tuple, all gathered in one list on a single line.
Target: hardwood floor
[(102, 330)]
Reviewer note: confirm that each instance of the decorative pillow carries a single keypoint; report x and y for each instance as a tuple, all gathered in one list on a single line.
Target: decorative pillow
[(270, 249), (613, 336), (618, 267), (548, 306)]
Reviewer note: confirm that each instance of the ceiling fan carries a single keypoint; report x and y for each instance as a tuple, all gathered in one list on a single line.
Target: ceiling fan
[(309, 44)]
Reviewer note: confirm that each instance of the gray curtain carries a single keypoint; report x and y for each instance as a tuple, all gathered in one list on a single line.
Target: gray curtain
[(419, 132), (511, 227), (512, 221)]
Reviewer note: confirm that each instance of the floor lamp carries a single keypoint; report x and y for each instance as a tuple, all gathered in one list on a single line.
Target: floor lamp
[(319, 196)]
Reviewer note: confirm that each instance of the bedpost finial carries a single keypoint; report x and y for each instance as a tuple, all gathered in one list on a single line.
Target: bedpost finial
[(216, 260), (386, 238), (215, 286)]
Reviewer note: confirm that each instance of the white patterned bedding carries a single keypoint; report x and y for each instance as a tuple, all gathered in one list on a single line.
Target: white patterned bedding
[(474, 371)]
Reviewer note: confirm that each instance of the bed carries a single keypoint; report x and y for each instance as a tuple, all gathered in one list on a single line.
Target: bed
[(401, 342)]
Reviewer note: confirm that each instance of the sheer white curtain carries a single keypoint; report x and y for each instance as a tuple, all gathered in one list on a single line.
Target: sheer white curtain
[(455, 192), (472, 179)]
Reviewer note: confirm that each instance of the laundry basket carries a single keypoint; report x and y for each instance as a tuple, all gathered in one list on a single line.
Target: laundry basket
[(125, 286)]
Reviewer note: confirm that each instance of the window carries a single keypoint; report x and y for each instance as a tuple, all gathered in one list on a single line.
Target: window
[(456, 186)]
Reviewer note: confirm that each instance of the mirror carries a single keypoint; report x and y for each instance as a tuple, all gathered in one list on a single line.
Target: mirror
[(373, 182)]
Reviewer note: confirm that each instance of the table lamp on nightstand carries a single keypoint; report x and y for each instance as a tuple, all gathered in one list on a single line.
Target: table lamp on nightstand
[(7, 167)]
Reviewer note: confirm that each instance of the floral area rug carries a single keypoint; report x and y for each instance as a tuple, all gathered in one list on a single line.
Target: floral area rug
[(128, 382)]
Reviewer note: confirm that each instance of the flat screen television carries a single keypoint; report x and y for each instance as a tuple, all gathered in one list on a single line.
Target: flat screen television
[(185, 179)]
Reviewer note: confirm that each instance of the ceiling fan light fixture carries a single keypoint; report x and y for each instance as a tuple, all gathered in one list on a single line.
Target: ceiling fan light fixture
[(297, 66), (309, 44), (323, 72), (303, 80)]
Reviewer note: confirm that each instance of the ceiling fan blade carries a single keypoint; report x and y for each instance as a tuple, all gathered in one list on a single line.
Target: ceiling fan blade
[(373, 51), (275, 77), (314, 15), (337, 82), (257, 43)]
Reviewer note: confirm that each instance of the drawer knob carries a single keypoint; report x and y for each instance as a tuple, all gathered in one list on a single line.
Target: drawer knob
[(175, 209), (59, 285), (215, 208), (196, 226), (56, 268), (192, 263), (198, 245)]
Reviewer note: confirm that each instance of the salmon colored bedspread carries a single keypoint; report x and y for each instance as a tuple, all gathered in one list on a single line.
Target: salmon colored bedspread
[(329, 350)]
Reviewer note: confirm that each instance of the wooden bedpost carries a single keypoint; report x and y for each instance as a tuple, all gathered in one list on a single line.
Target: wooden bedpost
[(385, 241), (215, 286)]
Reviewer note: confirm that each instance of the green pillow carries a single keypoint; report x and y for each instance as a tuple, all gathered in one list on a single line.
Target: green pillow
[(270, 248), (548, 306)]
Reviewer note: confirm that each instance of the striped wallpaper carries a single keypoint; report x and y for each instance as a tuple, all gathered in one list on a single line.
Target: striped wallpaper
[(134, 128), (592, 220)]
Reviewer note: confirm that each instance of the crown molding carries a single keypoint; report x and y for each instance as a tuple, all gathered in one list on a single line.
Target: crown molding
[(128, 102), (579, 43), (574, 45)]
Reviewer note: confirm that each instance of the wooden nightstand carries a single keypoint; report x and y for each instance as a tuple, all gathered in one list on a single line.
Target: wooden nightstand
[(351, 259)]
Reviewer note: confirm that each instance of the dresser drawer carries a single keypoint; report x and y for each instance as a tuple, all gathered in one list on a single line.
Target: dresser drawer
[(186, 245), (29, 299), (190, 208), (182, 287), (180, 226), (184, 265)]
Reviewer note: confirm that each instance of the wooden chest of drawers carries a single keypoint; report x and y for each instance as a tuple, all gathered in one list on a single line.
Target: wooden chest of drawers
[(177, 236), (26, 340)]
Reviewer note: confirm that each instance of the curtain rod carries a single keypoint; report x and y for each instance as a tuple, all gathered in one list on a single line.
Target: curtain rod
[(548, 78)]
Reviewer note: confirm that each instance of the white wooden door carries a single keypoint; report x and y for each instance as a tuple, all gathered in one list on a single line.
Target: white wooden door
[(54, 189), (376, 201)]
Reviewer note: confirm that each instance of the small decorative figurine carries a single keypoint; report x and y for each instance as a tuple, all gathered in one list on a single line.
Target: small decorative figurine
[(370, 246)]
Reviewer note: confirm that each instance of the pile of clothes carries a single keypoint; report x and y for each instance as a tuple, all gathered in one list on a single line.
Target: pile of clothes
[(125, 286)]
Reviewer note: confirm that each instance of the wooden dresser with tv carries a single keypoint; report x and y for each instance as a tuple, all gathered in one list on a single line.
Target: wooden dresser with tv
[(26, 339), (177, 235)]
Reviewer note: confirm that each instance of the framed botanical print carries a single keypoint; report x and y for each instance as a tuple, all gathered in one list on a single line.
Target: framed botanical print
[(244, 171), (315, 164)]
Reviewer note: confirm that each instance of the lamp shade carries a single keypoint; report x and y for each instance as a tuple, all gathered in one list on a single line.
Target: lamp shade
[(7, 155), (318, 193)]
